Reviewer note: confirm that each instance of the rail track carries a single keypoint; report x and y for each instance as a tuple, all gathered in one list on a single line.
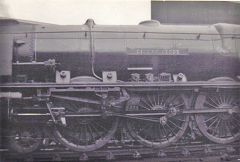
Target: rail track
[(180, 152)]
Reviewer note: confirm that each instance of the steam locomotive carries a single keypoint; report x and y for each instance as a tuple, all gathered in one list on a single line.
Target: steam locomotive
[(81, 85)]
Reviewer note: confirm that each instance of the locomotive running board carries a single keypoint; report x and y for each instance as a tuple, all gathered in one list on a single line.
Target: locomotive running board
[(203, 84)]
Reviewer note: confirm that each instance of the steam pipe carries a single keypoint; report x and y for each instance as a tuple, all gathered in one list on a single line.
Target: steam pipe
[(90, 24)]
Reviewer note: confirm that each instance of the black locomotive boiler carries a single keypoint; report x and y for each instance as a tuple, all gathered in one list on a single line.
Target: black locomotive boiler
[(82, 86)]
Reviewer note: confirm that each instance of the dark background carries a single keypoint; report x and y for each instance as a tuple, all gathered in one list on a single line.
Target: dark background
[(172, 12)]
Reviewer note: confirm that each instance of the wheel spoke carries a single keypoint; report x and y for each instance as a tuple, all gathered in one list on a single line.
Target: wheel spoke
[(237, 121), (164, 130), (210, 104), (154, 100), (179, 105), (210, 118), (181, 120), (150, 101), (173, 98), (218, 100), (213, 101), (216, 127), (85, 133), (95, 130), (100, 126), (158, 100), (159, 130), (212, 123), (170, 129), (91, 132), (175, 124), (162, 101), (219, 96), (228, 99), (228, 129), (224, 98), (81, 134), (221, 127), (160, 133), (145, 102), (144, 107)]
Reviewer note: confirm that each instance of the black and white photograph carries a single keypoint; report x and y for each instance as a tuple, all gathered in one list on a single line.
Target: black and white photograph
[(119, 80)]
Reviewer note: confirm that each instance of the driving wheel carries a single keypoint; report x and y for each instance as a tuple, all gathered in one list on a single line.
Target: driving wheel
[(85, 133), (221, 127), (162, 130)]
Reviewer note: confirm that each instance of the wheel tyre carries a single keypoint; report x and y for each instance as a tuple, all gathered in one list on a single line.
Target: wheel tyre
[(98, 144), (16, 146)]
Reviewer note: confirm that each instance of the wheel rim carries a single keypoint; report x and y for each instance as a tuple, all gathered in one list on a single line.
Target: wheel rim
[(219, 127), (160, 134), (86, 133), (25, 139)]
